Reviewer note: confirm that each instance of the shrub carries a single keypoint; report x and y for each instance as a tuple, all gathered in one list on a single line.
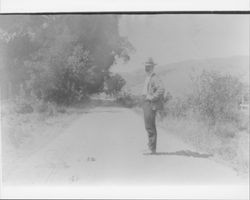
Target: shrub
[(128, 100), (61, 109), (216, 97), (24, 108), (176, 107), (114, 84), (225, 130)]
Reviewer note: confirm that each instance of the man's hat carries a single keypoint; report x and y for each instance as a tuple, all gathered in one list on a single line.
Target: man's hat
[(150, 62)]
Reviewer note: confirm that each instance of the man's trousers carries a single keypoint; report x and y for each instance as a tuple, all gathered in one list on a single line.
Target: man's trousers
[(149, 120)]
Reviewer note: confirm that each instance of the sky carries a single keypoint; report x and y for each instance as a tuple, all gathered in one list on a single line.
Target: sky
[(172, 38)]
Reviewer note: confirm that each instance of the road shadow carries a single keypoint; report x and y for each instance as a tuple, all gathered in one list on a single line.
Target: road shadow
[(104, 111), (187, 153)]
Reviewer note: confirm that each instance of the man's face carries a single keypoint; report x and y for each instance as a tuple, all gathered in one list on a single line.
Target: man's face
[(149, 69)]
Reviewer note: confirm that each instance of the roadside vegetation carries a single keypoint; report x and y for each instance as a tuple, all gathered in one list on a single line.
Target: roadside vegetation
[(210, 118), (50, 66)]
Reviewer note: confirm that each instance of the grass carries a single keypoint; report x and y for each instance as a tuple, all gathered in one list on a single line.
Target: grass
[(25, 130), (23, 134), (228, 144)]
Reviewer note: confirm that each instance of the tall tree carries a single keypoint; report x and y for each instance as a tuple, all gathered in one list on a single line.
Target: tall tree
[(61, 57)]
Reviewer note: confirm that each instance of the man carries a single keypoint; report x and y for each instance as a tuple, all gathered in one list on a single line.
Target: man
[(153, 96)]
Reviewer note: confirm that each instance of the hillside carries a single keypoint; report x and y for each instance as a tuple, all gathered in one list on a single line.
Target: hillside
[(177, 76)]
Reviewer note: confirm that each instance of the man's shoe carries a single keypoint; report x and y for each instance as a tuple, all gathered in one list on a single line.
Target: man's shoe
[(150, 152), (153, 151)]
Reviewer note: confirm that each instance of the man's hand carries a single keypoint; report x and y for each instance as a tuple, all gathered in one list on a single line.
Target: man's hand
[(149, 97)]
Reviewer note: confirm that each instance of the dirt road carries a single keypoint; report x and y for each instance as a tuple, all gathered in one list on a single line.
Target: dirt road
[(107, 146)]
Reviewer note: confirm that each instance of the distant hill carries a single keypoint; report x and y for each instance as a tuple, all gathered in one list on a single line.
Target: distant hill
[(177, 76)]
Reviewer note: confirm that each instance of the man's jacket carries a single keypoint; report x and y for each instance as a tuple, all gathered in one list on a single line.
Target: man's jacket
[(155, 92)]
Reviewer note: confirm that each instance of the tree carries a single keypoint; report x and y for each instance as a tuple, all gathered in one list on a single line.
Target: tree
[(61, 58), (114, 84)]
